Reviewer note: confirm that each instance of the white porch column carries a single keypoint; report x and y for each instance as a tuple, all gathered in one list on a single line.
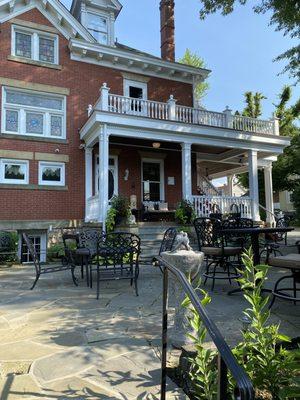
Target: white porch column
[(186, 157), (230, 185), (269, 194), (88, 176), (103, 173), (253, 184)]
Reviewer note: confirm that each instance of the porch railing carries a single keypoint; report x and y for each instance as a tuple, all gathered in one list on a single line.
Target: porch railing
[(172, 112), (205, 205), (226, 361)]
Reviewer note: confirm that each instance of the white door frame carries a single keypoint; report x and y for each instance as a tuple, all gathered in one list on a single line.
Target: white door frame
[(114, 169), (162, 176)]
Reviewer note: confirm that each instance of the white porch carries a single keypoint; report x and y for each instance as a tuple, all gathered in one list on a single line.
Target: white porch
[(224, 145)]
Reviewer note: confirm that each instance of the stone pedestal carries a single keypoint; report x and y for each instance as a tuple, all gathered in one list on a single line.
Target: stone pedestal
[(189, 262)]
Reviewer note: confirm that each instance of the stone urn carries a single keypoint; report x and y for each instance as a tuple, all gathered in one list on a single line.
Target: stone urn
[(189, 262)]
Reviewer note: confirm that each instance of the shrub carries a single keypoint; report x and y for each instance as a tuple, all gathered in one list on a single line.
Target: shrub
[(11, 238), (185, 213), (111, 220), (122, 206), (55, 251)]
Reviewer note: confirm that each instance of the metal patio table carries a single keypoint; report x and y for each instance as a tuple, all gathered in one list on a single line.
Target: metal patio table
[(254, 234)]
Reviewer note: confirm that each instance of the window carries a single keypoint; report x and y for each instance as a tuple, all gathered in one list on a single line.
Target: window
[(32, 113), (98, 27), (152, 180), (136, 90), (52, 174), (14, 171), (38, 46)]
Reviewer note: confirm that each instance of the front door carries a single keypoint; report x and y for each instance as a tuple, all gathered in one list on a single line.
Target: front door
[(152, 180), (112, 176)]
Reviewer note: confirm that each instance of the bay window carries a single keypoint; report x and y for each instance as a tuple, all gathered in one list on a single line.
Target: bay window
[(34, 45), (33, 113)]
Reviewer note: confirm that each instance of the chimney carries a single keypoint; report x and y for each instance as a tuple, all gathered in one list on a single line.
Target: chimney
[(167, 29)]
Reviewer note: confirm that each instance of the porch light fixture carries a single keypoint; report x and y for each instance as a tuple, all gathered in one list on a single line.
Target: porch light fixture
[(156, 145)]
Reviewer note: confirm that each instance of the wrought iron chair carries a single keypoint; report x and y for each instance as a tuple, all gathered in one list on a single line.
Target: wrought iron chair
[(216, 212), (45, 269), (5, 246), (167, 244), (292, 263), (218, 255), (117, 257), (235, 211), (275, 242)]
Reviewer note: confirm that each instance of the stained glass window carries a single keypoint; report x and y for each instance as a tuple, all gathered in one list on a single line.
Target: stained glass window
[(46, 49), (56, 125), (23, 45), (34, 123), (12, 121), (51, 174), (27, 99)]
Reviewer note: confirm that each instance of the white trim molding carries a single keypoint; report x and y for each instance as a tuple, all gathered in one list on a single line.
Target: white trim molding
[(53, 165), (20, 163)]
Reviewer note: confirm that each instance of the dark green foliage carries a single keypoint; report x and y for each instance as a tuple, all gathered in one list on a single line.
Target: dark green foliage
[(185, 213), (253, 107), (285, 15), (9, 253), (122, 206)]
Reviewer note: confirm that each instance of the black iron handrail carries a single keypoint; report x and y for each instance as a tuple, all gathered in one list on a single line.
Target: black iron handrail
[(226, 360)]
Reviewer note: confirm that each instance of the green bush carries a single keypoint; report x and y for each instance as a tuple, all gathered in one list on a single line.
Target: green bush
[(55, 251), (111, 220), (12, 241), (185, 213)]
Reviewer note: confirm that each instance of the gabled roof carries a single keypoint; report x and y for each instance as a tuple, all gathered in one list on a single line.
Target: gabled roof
[(53, 10), (111, 5)]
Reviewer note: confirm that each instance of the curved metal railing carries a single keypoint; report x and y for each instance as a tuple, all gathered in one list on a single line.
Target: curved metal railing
[(226, 360)]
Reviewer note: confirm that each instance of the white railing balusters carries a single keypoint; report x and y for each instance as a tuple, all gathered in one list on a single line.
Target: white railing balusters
[(188, 115), (205, 205)]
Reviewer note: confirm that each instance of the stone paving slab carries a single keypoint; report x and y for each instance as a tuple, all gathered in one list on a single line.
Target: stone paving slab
[(59, 342)]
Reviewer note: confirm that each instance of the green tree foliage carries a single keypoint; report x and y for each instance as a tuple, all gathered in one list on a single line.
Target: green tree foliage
[(285, 16), (194, 60), (286, 170), (253, 107)]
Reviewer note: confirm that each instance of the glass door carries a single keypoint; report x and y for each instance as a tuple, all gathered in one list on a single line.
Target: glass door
[(112, 176), (152, 180)]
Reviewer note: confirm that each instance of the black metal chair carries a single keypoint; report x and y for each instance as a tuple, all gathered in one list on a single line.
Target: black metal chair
[(45, 269), (292, 263), (218, 255), (5, 243), (117, 257), (167, 244), (274, 243)]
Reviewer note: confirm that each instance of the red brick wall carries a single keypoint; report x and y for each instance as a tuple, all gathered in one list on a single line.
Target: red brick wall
[(84, 81)]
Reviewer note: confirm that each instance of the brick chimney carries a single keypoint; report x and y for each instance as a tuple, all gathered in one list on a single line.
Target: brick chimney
[(167, 29)]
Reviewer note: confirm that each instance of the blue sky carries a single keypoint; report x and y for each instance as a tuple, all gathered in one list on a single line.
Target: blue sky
[(238, 48)]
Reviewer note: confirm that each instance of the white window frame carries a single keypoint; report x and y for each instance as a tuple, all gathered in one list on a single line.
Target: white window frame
[(4, 161), (56, 165), (22, 109), (107, 32), (140, 85), (35, 48), (162, 176)]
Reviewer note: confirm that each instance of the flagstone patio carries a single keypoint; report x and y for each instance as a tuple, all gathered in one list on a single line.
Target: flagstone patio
[(59, 342)]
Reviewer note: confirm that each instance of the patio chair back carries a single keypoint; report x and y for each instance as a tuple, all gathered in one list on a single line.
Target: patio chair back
[(71, 243), (207, 231), (168, 240), (4, 242), (90, 238), (33, 253), (283, 222)]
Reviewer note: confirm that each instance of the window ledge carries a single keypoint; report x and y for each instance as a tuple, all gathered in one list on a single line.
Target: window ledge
[(32, 187), (34, 62), (32, 138)]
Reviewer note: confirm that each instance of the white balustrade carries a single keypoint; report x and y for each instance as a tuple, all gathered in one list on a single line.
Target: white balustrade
[(92, 209), (189, 115), (205, 205), (253, 125)]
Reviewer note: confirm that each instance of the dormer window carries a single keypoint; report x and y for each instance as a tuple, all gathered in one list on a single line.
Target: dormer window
[(34, 45), (98, 27)]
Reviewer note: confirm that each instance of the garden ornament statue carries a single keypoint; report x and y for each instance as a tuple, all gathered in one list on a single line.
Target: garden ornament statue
[(189, 262)]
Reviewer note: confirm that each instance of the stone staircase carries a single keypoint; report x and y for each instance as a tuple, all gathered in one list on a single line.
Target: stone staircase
[(151, 234)]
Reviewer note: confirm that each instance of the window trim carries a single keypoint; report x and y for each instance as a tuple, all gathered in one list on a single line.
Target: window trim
[(107, 32), (23, 109), (4, 161), (35, 51), (52, 164), (141, 85)]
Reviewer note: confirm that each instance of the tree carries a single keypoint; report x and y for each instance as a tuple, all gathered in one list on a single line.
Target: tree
[(287, 167), (194, 60), (253, 104), (285, 17)]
